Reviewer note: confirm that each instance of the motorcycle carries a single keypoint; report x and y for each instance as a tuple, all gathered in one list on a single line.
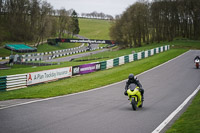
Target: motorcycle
[(135, 96), (197, 63)]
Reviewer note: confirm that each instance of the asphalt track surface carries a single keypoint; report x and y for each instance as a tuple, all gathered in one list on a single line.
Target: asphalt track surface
[(106, 109)]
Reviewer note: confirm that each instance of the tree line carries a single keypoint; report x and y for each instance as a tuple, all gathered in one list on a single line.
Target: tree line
[(159, 20), (97, 15), (34, 20)]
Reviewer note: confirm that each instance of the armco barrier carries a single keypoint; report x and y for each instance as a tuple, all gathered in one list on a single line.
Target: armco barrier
[(103, 65), (2, 82), (22, 80), (13, 81), (131, 57), (121, 60), (149, 53), (143, 55), (109, 64), (126, 59), (152, 52), (139, 55), (146, 54), (135, 57), (116, 62)]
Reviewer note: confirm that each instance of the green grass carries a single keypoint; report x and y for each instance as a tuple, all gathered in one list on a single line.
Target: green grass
[(92, 80), (4, 52), (94, 29), (185, 43), (189, 122)]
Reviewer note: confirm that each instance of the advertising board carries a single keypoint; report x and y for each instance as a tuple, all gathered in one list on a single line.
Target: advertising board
[(86, 68), (48, 75)]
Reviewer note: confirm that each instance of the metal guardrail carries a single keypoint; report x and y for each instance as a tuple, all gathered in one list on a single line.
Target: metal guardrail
[(13, 81)]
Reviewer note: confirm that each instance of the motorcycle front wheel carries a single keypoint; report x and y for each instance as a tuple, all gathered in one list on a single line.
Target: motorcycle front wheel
[(134, 104)]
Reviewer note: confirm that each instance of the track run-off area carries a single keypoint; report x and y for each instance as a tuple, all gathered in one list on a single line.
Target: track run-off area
[(107, 109)]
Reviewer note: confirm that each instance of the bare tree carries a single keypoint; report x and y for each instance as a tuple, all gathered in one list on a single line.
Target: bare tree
[(63, 21)]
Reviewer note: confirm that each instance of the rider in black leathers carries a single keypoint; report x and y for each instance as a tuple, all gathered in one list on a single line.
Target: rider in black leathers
[(133, 79)]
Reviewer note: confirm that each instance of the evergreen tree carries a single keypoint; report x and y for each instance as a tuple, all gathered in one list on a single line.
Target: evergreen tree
[(74, 23)]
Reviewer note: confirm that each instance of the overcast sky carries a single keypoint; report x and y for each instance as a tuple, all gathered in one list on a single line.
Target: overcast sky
[(110, 7)]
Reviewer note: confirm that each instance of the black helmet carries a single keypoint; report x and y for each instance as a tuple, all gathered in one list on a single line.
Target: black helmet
[(131, 76)]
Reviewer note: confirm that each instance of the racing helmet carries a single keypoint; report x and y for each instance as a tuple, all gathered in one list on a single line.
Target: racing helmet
[(131, 77)]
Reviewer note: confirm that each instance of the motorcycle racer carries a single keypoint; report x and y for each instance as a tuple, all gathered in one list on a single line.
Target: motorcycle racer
[(133, 79), (197, 57)]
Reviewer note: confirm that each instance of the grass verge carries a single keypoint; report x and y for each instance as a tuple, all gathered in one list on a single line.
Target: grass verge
[(190, 120), (92, 80)]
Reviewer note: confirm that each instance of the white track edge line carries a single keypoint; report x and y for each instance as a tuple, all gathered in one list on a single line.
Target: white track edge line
[(175, 112), (40, 100)]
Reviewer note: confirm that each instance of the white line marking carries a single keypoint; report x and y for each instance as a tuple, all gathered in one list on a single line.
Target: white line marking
[(91, 89), (173, 114)]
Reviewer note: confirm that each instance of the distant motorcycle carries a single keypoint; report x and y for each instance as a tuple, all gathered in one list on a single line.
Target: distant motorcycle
[(197, 63), (135, 96)]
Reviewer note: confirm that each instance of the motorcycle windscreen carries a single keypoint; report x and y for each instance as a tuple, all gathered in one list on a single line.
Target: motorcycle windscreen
[(132, 87), (197, 60)]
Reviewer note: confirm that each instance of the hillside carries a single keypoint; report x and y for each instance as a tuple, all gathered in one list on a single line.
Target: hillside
[(94, 29)]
